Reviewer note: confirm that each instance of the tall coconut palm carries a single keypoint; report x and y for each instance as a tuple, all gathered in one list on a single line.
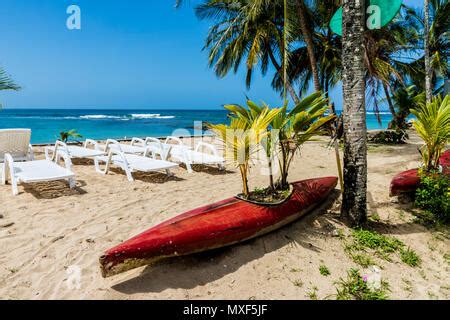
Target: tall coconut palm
[(438, 48), (387, 58), (307, 33), (245, 30), (428, 71), (354, 206)]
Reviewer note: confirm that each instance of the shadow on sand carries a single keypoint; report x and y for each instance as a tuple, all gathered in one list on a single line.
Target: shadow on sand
[(54, 189), (390, 227), (198, 269), (212, 170)]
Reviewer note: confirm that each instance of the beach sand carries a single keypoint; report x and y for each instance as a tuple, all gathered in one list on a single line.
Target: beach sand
[(49, 233)]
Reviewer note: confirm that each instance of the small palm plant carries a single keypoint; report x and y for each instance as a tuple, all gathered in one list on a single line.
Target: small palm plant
[(268, 143), (433, 126), (296, 127), (66, 135), (287, 132), (242, 139)]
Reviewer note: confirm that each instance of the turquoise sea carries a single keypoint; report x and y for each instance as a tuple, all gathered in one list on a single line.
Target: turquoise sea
[(102, 124)]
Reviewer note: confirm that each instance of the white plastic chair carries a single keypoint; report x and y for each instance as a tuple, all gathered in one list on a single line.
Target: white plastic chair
[(131, 162), (137, 146), (189, 157), (74, 151), (16, 142), (36, 171)]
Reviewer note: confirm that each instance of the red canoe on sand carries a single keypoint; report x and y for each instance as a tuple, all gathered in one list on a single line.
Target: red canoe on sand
[(408, 181), (217, 225)]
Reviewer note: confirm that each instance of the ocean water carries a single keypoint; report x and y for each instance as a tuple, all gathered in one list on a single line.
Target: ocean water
[(102, 124)]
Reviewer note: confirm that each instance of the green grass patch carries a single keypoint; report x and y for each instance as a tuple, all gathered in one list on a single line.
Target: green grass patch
[(374, 217), (409, 257), (365, 244), (373, 240), (355, 288), (363, 260), (447, 258), (312, 294), (324, 270)]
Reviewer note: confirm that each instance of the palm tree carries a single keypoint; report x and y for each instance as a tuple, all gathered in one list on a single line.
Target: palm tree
[(438, 48), (245, 30), (385, 57), (433, 126), (6, 83), (404, 99), (354, 206), (306, 31), (428, 71)]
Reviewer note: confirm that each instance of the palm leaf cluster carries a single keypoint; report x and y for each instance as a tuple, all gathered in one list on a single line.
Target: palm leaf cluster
[(251, 33), (279, 132), (6, 83), (433, 126)]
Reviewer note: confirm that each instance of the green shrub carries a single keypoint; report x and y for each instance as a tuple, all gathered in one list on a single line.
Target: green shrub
[(433, 197), (390, 137)]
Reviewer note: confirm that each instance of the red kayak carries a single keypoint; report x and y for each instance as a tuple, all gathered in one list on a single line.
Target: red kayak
[(217, 225), (408, 181)]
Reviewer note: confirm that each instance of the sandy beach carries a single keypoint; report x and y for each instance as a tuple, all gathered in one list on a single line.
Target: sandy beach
[(48, 232)]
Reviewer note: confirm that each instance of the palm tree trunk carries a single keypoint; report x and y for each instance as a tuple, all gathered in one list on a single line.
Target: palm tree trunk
[(309, 43), (354, 206), (428, 71), (394, 121), (281, 73), (244, 171)]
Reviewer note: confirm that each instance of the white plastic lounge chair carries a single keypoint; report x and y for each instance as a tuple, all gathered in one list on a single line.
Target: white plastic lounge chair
[(137, 146), (183, 153), (132, 162), (36, 171), (16, 142), (74, 151)]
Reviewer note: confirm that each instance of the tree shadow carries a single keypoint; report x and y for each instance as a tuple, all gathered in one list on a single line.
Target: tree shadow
[(194, 270), (393, 227), (54, 189)]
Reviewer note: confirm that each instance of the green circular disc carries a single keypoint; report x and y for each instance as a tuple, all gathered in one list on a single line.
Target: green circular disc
[(388, 10)]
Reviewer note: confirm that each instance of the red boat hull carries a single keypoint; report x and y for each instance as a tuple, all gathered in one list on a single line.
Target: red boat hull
[(213, 226), (408, 181)]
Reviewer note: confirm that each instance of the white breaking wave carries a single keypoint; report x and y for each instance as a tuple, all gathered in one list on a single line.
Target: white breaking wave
[(134, 116), (381, 112), (99, 116), (150, 116)]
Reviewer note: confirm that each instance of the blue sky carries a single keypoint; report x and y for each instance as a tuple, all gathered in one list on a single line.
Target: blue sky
[(141, 55)]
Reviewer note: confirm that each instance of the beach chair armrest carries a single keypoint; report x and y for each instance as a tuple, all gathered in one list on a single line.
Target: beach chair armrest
[(149, 140), (59, 145), (138, 142), (30, 152), (63, 154), (176, 139), (8, 168), (208, 146), (113, 142), (94, 143)]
